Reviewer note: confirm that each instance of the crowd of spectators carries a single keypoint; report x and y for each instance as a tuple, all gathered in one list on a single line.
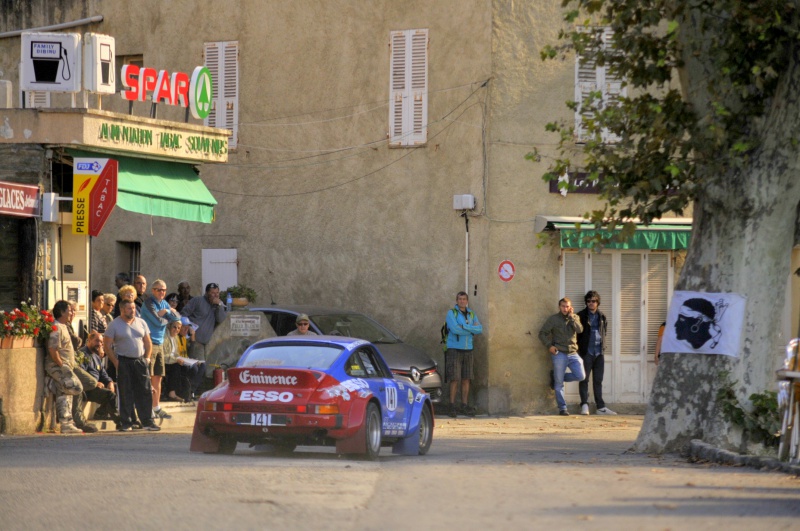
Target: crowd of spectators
[(139, 349)]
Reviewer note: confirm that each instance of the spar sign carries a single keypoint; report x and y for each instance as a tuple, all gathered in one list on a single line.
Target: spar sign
[(94, 194), (173, 89)]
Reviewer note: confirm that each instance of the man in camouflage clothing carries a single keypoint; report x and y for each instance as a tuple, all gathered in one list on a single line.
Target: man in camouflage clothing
[(58, 365)]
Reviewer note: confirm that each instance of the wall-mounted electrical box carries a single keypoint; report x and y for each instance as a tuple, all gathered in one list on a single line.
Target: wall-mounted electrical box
[(464, 202)]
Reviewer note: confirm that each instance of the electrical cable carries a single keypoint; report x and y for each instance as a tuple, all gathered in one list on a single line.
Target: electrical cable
[(383, 102), (367, 146), (398, 159)]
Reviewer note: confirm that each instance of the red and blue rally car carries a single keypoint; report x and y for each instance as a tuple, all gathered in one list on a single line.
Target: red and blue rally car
[(318, 390)]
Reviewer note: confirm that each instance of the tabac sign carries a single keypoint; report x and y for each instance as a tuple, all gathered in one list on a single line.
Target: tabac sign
[(94, 194)]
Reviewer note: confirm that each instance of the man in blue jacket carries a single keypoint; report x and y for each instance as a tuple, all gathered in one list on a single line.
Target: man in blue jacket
[(462, 324)]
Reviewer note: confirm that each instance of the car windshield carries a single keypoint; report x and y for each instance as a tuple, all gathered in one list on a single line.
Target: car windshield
[(353, 325), (303, 356)]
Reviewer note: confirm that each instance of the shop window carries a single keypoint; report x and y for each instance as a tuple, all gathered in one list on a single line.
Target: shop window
[(222, 59), (129, 258), (408, 88)]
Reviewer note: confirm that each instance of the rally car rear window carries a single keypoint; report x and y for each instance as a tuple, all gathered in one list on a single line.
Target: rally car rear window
[(303, 356)]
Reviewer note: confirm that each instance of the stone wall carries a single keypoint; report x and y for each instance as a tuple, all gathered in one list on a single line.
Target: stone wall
[(21, 385)]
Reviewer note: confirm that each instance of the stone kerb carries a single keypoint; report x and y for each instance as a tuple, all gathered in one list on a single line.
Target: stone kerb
[(231, 338), (21, 389)]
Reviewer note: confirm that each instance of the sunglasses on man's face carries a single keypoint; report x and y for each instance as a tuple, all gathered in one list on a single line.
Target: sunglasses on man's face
[(590, 301)]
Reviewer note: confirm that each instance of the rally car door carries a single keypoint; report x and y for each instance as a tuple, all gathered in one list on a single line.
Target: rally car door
[(394, 406)]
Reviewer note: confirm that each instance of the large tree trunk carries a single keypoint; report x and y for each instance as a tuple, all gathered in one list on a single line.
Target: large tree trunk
[(742, 236)]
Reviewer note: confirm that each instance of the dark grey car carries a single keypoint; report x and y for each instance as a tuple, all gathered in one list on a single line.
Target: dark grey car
[(406, 362)]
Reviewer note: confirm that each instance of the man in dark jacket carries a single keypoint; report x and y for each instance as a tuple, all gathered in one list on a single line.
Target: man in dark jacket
[(90, 359), (591, 347)]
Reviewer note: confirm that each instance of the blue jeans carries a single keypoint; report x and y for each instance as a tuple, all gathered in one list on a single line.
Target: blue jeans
[(562, 361)]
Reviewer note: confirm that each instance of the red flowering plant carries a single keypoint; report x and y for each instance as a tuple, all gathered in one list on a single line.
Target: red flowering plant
[(28, 321)]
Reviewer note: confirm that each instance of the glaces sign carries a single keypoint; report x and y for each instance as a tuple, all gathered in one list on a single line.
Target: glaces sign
[(173, 89)]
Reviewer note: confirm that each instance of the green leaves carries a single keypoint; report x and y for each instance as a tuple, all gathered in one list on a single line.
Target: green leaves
[(668, 143)]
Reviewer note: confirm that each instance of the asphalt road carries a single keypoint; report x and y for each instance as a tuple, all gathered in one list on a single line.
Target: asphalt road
[(507, 473)]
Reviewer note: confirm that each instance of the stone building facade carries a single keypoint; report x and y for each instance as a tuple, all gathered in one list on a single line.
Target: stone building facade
[(352, 127)]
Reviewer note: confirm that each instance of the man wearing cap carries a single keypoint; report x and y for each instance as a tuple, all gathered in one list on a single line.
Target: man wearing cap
[(206, 312), (303, 327)]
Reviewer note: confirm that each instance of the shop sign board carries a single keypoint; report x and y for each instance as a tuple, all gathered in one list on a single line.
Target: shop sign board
[(176, 88), (19, 200), (99, 69), (94, 194), (50, 62)]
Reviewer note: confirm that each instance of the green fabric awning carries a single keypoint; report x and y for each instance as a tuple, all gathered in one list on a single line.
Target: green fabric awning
[(157, 188), (653, 237)]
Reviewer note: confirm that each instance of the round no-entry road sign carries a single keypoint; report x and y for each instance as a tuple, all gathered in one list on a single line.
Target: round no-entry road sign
[(506, 270)]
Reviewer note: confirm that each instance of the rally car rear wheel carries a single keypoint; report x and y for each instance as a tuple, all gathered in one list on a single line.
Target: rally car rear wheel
[(373, 431), (425, 430)]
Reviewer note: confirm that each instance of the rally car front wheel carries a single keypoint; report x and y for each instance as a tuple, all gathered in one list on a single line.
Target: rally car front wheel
[(425, 430)]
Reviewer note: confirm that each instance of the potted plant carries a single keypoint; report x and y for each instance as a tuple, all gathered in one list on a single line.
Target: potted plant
[(22, 326), (242, 295)]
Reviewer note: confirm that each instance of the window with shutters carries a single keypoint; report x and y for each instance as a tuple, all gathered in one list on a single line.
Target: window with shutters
[(591, 78), (408, 88), (222, 60), (635, 288)]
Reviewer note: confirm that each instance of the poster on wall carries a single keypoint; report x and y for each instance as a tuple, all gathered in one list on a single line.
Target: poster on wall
[(704, 323)]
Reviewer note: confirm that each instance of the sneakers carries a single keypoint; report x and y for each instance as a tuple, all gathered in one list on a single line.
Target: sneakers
[(452, 411), (161, 414), (152, 427), (552, 380), (68, 428), (584, 409), (605, 411), (123, 427), (563, 412), (88, 428), (468, 410)]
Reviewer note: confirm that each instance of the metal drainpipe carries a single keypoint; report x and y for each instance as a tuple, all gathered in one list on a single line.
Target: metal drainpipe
[(63, 25)]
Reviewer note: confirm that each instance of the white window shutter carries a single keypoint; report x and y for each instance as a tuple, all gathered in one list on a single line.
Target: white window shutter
[(588, 78), (397, 87), (212, 53), (630, 304), (222, 60), (408, 91), (419, 88), (657, 295), (575, 277), (37, 99), (230, 90), (602, 283)]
